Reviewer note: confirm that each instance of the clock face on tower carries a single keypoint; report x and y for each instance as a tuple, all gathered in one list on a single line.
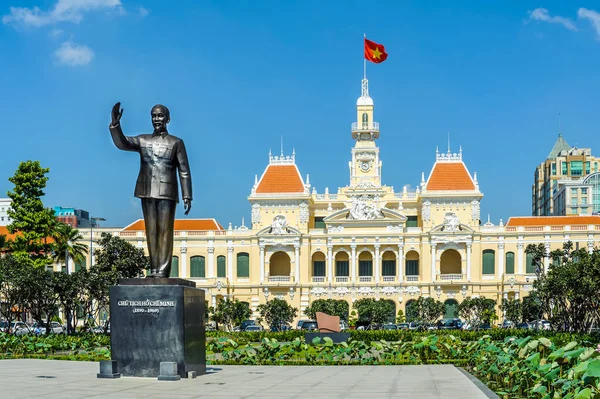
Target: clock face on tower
[(365, 166)]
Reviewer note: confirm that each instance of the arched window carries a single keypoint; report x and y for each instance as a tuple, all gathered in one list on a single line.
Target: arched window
[(365, 119), (318, 263), (197, 266), (243, 264), (412, 264), (510, 263), (342, 265), (221, 268), (175, 267), (489, 261), (529, 268)]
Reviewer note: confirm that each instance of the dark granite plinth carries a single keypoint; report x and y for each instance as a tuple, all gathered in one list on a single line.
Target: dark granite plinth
[(154, 320), (335, 337), (108, 369)]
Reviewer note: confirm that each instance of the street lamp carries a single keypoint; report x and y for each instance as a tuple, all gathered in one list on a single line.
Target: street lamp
[(92, 220)]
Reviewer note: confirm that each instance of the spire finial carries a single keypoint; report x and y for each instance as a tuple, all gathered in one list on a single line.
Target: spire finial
[(282, 145), (448, 142), (559, 130)]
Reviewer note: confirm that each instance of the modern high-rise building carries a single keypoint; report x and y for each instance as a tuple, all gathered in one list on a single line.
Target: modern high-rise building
[(76, 218), (4, 207), (563, 165)]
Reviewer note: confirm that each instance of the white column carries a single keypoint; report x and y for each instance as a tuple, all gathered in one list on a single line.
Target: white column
[(214, 300), (211, 262), (500, 270), (377, 263), (262, 264), (433, 262), (297, 262), (230, 263), (353, 263), (183, 263), (546, 257), (69, 264), (520, 258), (330, 263), (469, 261), (400, 265), (517, 295), (590, 244)]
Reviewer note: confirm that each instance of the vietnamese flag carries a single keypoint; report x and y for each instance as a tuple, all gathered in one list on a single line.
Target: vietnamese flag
[(374, 52)]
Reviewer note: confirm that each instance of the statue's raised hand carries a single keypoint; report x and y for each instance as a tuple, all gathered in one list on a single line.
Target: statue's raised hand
[(117, 113)]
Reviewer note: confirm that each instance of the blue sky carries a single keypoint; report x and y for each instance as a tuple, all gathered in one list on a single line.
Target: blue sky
[(239, 75)]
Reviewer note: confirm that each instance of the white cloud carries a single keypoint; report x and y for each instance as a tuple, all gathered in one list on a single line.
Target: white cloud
[(542, 14), (143, 11), (56, 33), (593, 16), (63, 11), (71, 54)]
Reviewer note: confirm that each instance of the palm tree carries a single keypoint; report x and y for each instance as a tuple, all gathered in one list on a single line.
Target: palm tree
[(67, 242)]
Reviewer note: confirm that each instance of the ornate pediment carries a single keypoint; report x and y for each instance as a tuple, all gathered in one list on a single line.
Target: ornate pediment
[(387, 217)]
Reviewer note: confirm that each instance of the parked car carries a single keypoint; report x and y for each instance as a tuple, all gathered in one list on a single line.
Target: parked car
[(540, 325), (507, 324), (309, 325), (344, 325), (245, 324), (403, 326), (523, 326), (389, 327), (449, 324), (282, 327), (300, 322), (253, 327), (55, 328), (16, 327)]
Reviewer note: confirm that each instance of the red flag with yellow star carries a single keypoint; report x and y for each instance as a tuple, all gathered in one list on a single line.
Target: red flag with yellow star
[(374, 52)]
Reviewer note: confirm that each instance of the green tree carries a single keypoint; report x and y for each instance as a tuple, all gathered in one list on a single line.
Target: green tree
[(31, 221), (42, 298), (331, 307), (68, 243), (400, 318), (277, 313), (513, 310), (477, 310), (230, 313), (569, 292), (426, 311), (371, 311), (13, 276), (69, 289)]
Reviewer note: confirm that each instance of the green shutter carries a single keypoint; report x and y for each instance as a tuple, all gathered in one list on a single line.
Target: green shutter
[(489, 261), (197, 266), (221, 268), (412, 267), (319, 223), (319, 268), (365, 268), (529, 269), (79, 265), (175, 267), (388, 268), (341, 268), (412, 221), (510, 263), (243, 265)]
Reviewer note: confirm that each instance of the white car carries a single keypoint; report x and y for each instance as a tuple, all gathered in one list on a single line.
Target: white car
[(55, 328)]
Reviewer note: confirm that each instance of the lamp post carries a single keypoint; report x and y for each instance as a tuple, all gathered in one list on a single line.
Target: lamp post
[(92, 220)]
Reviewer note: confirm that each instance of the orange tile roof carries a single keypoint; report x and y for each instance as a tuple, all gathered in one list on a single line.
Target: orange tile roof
[(181, 225), (552, 220), (4, 231), (280, 179), (450, 176)]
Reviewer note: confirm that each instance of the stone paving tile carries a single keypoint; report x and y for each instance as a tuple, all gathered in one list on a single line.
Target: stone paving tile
[(78, 380)]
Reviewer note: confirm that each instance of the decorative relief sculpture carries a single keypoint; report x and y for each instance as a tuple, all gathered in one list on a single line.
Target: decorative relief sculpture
[(426, 212), (451, 222), (364, 208), (255, 213), (303, 213), (475, 215), (335, 229), (279, 225), (412, 290)]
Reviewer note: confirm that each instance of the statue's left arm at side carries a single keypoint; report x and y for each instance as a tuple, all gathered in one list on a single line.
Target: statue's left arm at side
[(126, 143)]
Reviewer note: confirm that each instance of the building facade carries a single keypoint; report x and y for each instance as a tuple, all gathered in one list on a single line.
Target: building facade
[(4, 207), (76, 218), (553, 177), (366, 239)]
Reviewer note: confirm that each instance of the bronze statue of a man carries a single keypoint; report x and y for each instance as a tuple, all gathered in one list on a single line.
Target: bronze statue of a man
[(162, 156)]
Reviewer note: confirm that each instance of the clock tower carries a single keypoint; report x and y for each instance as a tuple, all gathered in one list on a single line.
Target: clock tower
[(365, 167)]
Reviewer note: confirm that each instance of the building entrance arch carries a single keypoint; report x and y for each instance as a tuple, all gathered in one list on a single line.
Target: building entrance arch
[(450, 262), (279, 264)]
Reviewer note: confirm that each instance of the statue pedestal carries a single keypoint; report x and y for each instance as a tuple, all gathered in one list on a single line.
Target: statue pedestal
[(156, 320)]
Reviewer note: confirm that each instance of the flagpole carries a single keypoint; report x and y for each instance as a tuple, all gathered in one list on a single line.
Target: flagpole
[(364, 61)]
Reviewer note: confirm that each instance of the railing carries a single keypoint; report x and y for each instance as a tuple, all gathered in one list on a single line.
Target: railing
[(279, 279), (389, 279), (556, 228), (365, 126), (511, 229), (365, 279), (128, 233), (318, 279), (578, 228), (450, 276), (412, 278), (341, 279), (534, 228)]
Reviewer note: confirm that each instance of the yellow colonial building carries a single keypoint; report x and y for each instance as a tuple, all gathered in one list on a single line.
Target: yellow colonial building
[(366, 239)]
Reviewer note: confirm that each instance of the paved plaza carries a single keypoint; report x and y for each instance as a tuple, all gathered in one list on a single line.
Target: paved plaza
[(49, 379)]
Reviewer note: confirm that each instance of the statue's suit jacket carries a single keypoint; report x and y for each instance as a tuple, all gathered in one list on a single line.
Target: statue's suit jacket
[(161, 157)]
